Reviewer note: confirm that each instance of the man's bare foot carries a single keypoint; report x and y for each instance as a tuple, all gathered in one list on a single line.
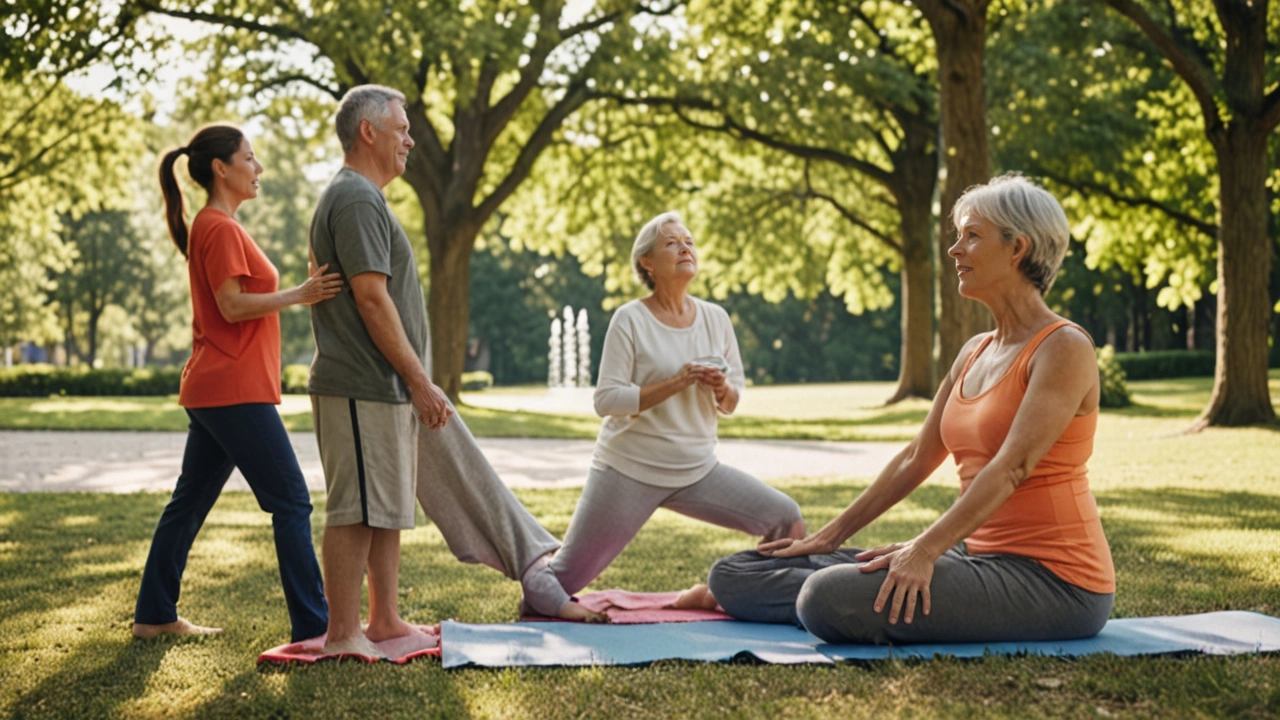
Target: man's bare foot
[(698, 597), (417, 640), (358, 645), (145, 631), (388, 630), (574, 611)]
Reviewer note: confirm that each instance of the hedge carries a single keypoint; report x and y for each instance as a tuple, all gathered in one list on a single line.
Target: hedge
[(39, 380), (1157, 364)]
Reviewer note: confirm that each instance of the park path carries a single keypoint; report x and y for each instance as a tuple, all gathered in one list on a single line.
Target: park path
[(58, 461)]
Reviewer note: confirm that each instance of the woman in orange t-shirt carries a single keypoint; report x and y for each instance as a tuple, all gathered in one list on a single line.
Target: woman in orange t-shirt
[(1020, 555), (229, 389)]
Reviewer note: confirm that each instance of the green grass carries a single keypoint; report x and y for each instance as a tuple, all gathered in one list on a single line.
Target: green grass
[(1194, 523), (847, 411)]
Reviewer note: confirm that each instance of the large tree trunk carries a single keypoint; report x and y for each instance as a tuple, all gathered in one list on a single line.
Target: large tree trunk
[(1240, 395), (915, 374), (960, 32), (448, 304)]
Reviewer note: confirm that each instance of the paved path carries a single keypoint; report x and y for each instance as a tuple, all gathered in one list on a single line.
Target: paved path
[(130, 461)]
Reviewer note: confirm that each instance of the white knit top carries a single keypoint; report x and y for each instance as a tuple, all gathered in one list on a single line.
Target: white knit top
[(673, 443)]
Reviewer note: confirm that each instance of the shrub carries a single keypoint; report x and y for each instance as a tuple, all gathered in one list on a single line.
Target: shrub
[(1115, 392), (1158, 364), (478, 380), (39, 380), (293, 379)]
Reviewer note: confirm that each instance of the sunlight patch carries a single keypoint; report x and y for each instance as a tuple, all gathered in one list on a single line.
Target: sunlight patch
[(85, 405), (79, 520), (187, 677), (225, 518)]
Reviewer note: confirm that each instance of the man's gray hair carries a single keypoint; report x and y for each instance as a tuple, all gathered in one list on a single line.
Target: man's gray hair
[(1020, 208), (364, 102), (645, 241)]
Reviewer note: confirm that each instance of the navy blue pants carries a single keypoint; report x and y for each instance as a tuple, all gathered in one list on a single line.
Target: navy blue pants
[(252, 438)]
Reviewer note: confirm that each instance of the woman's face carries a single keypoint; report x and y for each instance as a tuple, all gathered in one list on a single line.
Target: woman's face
[(983, 259), (239, 177), (673, 257)]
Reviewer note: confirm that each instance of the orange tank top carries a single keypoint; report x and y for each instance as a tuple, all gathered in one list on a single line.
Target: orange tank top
[(1052, 517)]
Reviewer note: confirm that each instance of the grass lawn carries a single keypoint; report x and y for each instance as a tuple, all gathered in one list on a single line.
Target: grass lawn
[(847, 411), (1194, 523)]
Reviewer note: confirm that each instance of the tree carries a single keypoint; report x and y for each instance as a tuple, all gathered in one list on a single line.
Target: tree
[(1222, 57), (54, 145), (1078, 101), (838, 108), (101, 274), (960, 36), (489, 84)]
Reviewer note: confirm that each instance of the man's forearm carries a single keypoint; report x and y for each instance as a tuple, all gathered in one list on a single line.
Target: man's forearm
[(382, 321)]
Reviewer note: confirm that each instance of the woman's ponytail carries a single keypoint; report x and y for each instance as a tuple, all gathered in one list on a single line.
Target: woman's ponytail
[(174, 210), (212, 142)]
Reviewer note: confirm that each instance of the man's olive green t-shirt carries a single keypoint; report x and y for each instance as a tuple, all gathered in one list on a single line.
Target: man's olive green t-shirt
[(354, 231)]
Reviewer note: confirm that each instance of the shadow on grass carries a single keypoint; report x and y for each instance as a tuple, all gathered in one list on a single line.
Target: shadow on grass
[(1180, 550), (1177, 550)]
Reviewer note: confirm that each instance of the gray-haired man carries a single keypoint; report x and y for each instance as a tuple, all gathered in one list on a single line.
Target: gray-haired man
[(383, 428)]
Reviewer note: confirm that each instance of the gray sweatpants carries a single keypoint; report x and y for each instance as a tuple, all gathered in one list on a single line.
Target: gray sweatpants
[(480, 518), (975, 598), (614, 507)]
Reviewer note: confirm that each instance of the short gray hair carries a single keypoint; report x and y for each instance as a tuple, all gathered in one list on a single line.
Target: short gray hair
[(1019, 207), (645, 241), (364, 102)]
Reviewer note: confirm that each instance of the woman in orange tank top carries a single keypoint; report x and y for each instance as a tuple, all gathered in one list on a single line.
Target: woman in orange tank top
[(1020, 555)]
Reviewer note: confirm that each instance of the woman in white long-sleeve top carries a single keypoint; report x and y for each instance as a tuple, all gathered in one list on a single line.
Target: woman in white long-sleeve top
[(670, 366)]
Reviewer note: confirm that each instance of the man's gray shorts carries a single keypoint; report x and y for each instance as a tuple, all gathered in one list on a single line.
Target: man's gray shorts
[(369, 451)]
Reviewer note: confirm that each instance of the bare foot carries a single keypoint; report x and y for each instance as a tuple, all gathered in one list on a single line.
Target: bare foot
[(358, 645), (415, 641), (388, 630), (698, 597), (145, 631), (574, 611)]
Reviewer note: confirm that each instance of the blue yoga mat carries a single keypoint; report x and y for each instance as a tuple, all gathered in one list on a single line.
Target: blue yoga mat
[(1219, 633), (565, 644), (557, 643)]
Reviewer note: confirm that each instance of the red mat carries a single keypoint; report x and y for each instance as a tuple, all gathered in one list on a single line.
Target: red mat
[(310, 651), (635, 608)]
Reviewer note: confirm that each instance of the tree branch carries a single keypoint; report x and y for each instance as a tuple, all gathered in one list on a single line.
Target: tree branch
[(1199, 78), (278, 31), (424, 135), (576, 96), (1209, 229), (335, 92), (735, 129), (846, 213)]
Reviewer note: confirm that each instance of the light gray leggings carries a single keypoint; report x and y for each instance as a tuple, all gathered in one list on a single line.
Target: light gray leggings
[(481, 519), (975, 598), (614, 507)]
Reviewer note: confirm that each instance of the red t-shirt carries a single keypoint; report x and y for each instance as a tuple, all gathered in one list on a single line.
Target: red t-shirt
[(231, 363)]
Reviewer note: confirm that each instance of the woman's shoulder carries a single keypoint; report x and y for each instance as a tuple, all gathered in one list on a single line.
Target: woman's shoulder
[(627, 314), (710, 310), (1066, 342), (214, 225)]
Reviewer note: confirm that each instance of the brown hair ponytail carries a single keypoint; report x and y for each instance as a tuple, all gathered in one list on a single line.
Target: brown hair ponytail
[(212, 142)]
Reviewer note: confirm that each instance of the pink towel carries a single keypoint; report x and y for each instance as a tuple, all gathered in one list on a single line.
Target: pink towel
[(635, 608), (309, 651)]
